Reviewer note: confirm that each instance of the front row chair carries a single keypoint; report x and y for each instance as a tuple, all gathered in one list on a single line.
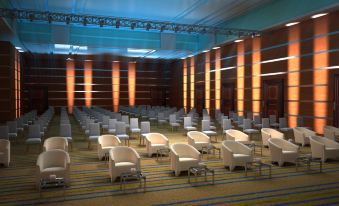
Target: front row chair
[(55, 143), (122, 159), (238, 136), (324, 148), (198, 140), (267, 133), (53, 162), (235, 154), (5, 152), (154, 142), (283, 151), (105, 143), (184, 156), (302, 135)]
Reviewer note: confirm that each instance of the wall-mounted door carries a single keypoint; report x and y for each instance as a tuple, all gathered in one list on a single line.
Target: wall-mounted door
[(336, 101), (38, 99), (199, 98), (273, 97), (227, 98)]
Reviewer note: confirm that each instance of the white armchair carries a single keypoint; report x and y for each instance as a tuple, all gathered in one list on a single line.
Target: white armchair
[(302, 135), (154, 142), (235, 154), (283, 151), (331, 132), (53, 162), (55, 143), (105, 143), (5, 152), (122, 159), (237, 136), (184, 156), (267, 133), (198, 139), (324, 148)]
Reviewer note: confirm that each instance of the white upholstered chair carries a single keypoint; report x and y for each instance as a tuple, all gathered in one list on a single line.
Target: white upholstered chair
[(55, 143), (206, 129), (121, 132), (122, 159), (267, 133), (302, 135), (5, 152), (331, 132), (111, 126), (145, 127), (154, 142), (324, 148), (183, 156), (235, 154), (53, 162), (105, 143), (4, 132), (173, 121), (237, 136), (188, 124), (94, 133), (226, 125), (34, 136), (12, 129), (66, 131), (198, 139), (134, 126), (283, 151)]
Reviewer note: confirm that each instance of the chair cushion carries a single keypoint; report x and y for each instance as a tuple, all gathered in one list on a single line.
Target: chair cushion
[(33, 141), (190, 128), (251, 131), (124, 164), (91, 138), (111, 131), (175, 124), (53, 169), (242, 157), (285, 129), (210, 133), (122, 136), (187, 159), (135, 130)]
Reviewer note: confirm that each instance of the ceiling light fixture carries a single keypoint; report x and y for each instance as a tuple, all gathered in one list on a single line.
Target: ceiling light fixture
[(205, 51), (190, 55), (318, 15), (292, 23), (238, 40), (216, 47)]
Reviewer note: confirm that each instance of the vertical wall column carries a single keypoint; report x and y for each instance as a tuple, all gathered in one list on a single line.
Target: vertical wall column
[(256, 71), (17, 84), (70, 79), (192, 87), (320, 76), (217, 78), (184, 74), (207, 81), (131, 83), (240, 78), (88, 77), (115, 85), (293, 76)]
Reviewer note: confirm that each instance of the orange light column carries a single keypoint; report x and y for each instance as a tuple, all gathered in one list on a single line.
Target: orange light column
[(320, 77), (131, 83), (184, 69), (256, 71), (88, 76), (70, 79), (192, 87), (293, 76), (115, 85), (240, 78), (207, 81), (217, 78)]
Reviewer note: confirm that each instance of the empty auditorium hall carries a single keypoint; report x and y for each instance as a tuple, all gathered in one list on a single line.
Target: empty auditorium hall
[(171, 102)]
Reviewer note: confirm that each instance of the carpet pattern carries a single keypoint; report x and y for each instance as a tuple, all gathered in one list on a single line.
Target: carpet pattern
[(90, 183)]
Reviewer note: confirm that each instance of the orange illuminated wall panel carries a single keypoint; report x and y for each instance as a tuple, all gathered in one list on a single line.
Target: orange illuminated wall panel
[(320, 77), (256, 71), (217, 78), (115, 85), (240, 78), (185, 84), (192, 82), (293, 76), (131, 83), (207, 81), (88, 76), (70, 79)]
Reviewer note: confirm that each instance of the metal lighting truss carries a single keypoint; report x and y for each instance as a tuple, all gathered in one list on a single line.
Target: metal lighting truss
[(118, 22)]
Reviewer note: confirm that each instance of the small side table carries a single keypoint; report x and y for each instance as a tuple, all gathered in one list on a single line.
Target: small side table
[(163, 151), (138, 175), (210, 148), (308, 160), (198, 171), (258, 164)]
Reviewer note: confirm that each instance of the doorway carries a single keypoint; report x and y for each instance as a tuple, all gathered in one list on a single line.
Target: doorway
[(227, 96), (273, 97)]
